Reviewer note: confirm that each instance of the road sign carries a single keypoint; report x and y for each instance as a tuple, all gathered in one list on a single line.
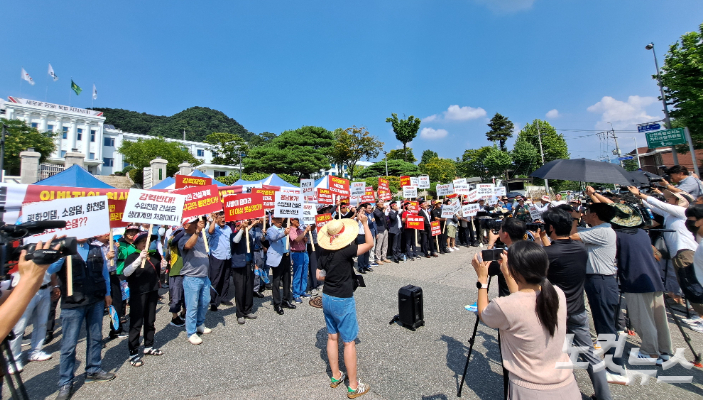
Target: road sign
[(626, 158), (653, 126), (667, 137)]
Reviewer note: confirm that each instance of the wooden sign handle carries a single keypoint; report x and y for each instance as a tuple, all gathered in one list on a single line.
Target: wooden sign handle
[(112, 261), (246, 233), (204, 236), (310, 236), (288, 237), (70, 277), (147, 244)]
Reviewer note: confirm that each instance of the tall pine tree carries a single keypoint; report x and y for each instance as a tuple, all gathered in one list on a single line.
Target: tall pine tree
[(501, 130)]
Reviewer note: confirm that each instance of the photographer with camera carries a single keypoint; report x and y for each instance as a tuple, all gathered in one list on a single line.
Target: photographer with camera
[(531, 322), (685, 181)]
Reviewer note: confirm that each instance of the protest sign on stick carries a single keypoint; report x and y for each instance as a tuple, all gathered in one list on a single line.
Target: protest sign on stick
[(384, 194), (368, 197), (414, 181), (339, 186), (322, 220), (383, 184), (404, 181), (308, 187), (324, 196), (357, 189), (447, 211), (149, 207), (200, 200), (469, 210), (423, 182), (460, 186), (499, 191), (415, 223), (445, 189), (288, 205), (409, 192), (436, 231), (86, 217), (268, 197), (472, 196), (238, 207), (183, 181), (535, 213), (308, 217)]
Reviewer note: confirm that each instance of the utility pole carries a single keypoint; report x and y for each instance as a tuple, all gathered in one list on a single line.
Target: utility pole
[(183, 134), (542, 154), (2, 153), (638, 159), (387, 173), (651, 46), (616, 143)]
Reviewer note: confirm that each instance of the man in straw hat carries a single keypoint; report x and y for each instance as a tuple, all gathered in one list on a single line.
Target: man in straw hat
[(335, 268)]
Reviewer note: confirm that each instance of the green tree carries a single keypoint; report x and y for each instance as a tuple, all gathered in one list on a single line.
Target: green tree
[(256, 176), (682, 75), (471, 163), (140, 153), (402, 154), (497, 162), (394, 168), (226, 147), (631, 165), (525, 156), (298, 152), (21, 137), (553, 144), (261, 139), (404, 129), (439, 169), (427, 155), (501, 130), (351, 145)]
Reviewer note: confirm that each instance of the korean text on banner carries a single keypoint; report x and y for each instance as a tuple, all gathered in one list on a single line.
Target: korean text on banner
[(368, 197), (149, 207), (308, 214), (116, 207), (535, 213), (339, 186), (404, 181), (423, 182), (268, 197), (447, 212), (472, 196), (415, 206), (409, 192), (357, 189), (384, 194), (435, 228), (414, 181), (460, 186), (200, 200), (321, 220), (85, 216), (383, 184), (445, 189), (324, 196), (288, 205), (183, 181), (238, 207), (469, 210), (456, 204), (308, 187), (485, 189), (415, 223), (499, 191)]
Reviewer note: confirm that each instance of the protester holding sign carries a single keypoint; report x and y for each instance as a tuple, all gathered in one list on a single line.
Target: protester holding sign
[(143, 284), (426, 240), (220, 260), (452, 223), (278, 259), (381, 242), (299, 258), (196, 281), (242, 273), (394, 221), (410, 250), (257, 233), (522, 211)]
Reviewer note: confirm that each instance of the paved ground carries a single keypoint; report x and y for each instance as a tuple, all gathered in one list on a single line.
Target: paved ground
[(284, 357)]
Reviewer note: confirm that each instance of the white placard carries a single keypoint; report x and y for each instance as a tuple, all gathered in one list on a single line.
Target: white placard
[(447, 212), (414, 181), (424, 182), (499, 191), (149, 207), (485, 189), (460, 186), (472, 196), (455, 204), (535, 213), (410, 192), (85, 216), (248, 188), (445, 189), (308, 214), (470, 210), (288, 205), (357, 189), (308, 187)]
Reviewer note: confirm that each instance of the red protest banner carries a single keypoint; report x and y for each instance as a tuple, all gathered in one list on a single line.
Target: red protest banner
[(200, 200), (383, 184), (369, 196), (183, 181), (115, 211), (405, 181), (324, 196), (384, 195), (239, 207), (321, 220), (339, 186), (416, 207), (435, 228), (415, 223), (268, 197)]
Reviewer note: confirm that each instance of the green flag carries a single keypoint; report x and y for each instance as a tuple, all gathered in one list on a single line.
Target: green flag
[(75, 87)]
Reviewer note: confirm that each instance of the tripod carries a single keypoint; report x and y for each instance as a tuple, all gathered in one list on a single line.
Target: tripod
[(471, 341), (14, 381), (698, 358)]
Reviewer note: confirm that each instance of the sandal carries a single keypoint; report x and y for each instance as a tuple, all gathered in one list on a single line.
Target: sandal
[(136, 361), (152, 352)]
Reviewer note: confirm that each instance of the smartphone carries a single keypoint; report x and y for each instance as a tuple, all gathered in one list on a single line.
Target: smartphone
[(491, 255)]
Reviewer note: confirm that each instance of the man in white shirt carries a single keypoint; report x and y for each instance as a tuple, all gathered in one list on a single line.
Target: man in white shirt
[(558, 200)]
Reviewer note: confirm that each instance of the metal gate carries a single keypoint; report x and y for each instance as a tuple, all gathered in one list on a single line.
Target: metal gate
[(46, 170)]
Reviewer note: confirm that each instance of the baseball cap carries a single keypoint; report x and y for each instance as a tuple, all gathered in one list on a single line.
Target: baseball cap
[(189, 220)]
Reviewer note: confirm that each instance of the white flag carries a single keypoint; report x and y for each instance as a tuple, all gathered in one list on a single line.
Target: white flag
[(52, 74), (95, 93), (27, 77)]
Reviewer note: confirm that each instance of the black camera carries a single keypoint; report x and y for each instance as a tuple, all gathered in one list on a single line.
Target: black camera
[(534, 226), (10, 236), (67, 247), (491, 255), (491, 224)]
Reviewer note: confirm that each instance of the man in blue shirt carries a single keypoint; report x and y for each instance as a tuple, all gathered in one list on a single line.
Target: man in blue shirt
[(220, 260), (277, 257)]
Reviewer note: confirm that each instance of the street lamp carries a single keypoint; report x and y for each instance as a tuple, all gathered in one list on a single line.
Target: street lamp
[(651, 47)]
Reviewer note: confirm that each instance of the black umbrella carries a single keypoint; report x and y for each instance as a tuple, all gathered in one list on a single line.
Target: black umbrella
[(583, 170), (513, 194), (639, 178)]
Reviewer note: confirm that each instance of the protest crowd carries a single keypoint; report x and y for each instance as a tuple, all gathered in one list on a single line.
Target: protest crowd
[(566, 266)]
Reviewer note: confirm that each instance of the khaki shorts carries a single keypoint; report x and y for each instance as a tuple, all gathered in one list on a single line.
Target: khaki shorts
[(451, 231)]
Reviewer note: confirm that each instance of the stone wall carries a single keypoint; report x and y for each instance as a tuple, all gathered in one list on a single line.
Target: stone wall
[(119, 182)]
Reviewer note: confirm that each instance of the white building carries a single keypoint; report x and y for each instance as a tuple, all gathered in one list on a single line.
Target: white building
[(85, 131), (334, 169)]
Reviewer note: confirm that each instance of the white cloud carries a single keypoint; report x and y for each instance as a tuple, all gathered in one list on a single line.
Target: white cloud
[(506, 6), (457, 113), (552, 114), (431, 133), (623, 114)]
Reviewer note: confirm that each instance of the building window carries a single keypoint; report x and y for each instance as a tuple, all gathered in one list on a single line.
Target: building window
[(125, 164), (92, 156), (78, 134), (64, 153), (108, 162), (50, 128), (65, 131), (109, 141), (34, 125), (218, 174), (93, 136), (200, 153)]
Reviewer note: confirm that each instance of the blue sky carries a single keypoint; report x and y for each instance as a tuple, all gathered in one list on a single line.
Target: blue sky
[(279, 65)]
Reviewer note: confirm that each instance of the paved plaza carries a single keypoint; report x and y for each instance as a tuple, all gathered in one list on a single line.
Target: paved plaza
[(284, 357)]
